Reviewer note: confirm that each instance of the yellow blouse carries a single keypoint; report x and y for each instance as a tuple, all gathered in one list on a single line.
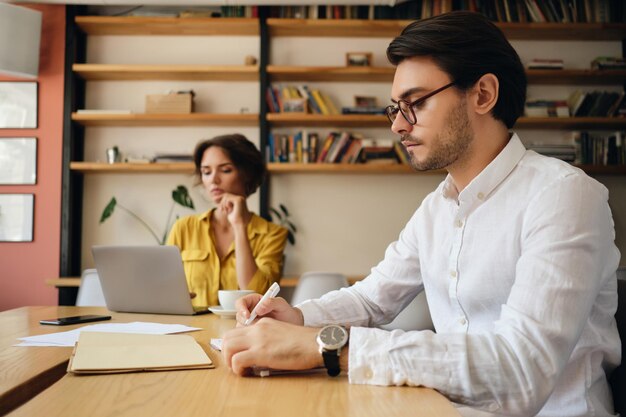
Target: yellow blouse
[(207, 273)]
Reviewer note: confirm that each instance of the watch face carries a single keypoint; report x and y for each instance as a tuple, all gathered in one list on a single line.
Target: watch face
[(333, 337)]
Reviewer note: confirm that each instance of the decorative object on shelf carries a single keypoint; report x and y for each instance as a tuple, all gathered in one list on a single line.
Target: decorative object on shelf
[(180, 195), (113, 155), (18, 161), (250, 60), (180, 102), (294, 105), (18, 105), (358, 59), (283, 220), (365, 101), (16, 217)]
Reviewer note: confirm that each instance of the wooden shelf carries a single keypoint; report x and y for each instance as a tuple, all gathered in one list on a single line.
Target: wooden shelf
[(133, 168), (392, 28), (287, 119), (344, 74), (576, 76), (385, 74), (192, 119), (293, 168), (343, 120), (98, 72), (139, 25), (298, 168), (566, 123)]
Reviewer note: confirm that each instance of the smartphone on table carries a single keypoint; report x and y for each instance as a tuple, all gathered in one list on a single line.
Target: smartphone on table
[(65, 321)]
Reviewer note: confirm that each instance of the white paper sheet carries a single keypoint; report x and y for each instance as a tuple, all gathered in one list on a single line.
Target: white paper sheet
[(69, 338)]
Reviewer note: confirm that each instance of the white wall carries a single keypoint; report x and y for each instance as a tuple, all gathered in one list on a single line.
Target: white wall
[(345, 221)]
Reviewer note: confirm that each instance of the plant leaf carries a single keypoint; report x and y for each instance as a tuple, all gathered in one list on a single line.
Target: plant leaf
[(108, 210), (292, 226), (273, 210), (284, 209), (181, 196), (291, 238)]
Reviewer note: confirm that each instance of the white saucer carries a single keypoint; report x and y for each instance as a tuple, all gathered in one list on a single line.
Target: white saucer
[(223, 313)]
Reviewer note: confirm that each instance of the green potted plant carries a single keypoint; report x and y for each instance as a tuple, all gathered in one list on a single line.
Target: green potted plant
[(281, 217), (180, 195)]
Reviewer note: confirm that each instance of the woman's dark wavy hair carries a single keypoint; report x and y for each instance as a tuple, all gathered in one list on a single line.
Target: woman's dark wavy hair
[(467, 45), (244, 155)]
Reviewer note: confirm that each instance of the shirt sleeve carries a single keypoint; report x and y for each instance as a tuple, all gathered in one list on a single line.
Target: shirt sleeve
[(174, 237), (567, 257), (269, 259)]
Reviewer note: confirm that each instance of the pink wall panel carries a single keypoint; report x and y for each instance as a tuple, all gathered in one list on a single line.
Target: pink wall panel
[(24, 267)]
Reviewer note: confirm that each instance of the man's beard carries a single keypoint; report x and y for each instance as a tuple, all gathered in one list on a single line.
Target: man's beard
[(449, 145)]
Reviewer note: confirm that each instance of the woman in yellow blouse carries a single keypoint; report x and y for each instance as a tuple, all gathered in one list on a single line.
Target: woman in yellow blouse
[(228, 247)]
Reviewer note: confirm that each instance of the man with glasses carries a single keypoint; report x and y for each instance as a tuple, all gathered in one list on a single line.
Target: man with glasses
[(514, 250)]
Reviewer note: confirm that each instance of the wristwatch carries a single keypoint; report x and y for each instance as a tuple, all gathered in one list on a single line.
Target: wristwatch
[(330, 340)]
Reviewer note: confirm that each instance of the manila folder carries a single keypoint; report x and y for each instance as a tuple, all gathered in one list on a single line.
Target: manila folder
[(97, 352)]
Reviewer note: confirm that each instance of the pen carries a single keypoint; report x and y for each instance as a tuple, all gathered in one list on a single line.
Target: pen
[(271, 293)]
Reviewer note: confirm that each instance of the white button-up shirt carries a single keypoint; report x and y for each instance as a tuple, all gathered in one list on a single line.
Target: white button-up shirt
[(519, 273)]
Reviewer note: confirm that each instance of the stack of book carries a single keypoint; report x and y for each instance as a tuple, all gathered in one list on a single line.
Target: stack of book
[(336, 148), (546, 108), (564, 152), (170, 157), (608, 63), (299, 99), (597, 104), (601, 149), (362, 110), (539, 63)]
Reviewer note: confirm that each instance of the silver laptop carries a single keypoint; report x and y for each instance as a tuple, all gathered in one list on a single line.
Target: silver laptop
[(144, 279)]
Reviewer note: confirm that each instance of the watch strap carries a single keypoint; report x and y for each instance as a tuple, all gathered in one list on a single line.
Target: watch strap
[(331, 361)]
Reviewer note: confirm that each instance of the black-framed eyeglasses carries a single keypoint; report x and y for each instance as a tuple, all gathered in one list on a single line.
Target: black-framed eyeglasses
[(406, 107)]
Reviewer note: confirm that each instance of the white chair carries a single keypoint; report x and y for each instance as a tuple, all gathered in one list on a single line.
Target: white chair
[(90, 291), (315, 284), (415, 316)]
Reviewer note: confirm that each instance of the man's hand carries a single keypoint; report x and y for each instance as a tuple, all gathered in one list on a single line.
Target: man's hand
[(277, 308), (271, 344)]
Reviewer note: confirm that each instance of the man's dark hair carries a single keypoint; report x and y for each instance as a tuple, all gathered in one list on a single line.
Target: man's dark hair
[(466, 46), (244, 155)]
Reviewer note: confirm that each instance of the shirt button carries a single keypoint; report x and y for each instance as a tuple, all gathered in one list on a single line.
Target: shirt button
[(452, 274), (459, 223), (480, 196), (368, 373), (462, 321)]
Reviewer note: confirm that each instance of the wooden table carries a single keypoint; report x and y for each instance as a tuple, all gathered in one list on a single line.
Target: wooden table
[(214, 392)]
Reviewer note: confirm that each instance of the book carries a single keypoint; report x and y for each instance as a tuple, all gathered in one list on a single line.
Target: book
[(105, 353), (540, 63)]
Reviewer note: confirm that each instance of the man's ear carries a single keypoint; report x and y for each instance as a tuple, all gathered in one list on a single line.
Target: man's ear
[(485, 94)]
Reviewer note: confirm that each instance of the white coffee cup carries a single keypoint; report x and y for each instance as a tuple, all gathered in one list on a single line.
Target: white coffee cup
[(228, 297)]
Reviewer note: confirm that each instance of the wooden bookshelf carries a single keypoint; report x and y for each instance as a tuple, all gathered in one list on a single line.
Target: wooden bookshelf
[(342, 120), (576, 76), (326, 168), (571, 123), (344, 74), (280, 73), (133, 168), (392, 28), (140, 25), (349, 120), (99, 72), (192, 119), (294, 168)]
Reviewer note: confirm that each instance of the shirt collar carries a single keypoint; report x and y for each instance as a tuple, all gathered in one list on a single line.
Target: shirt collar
[(490, 177)]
